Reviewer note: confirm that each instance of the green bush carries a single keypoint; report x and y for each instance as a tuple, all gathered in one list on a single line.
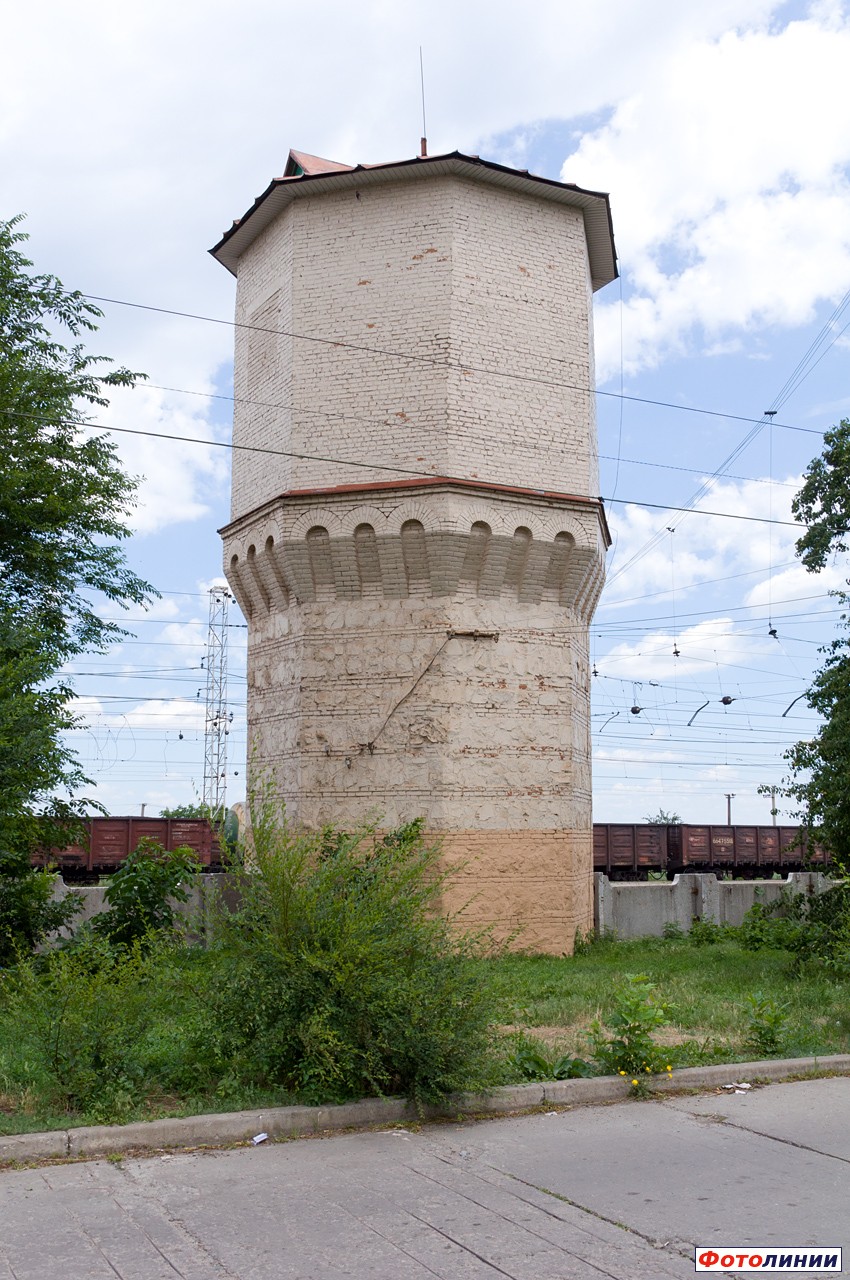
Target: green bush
[(142, 892), (707, 933), (773, 924), (82, 1014), (28, 913), (767, 1024), (338, 976), (825, 932), (812, 927), (623, 1043)]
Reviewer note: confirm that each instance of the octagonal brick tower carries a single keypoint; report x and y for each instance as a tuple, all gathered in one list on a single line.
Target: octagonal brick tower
[(415, 538)]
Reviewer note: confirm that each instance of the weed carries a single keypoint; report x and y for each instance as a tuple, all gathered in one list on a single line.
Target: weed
[(631, 1050), (767, 1024), (573, 1069), (705, 933), (81, 1015), (528, 1059)]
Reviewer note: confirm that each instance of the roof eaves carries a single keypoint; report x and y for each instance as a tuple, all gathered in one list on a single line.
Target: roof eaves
[(594, 204)]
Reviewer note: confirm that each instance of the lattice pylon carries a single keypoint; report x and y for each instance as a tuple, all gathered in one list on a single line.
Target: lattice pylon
[(216, 722)]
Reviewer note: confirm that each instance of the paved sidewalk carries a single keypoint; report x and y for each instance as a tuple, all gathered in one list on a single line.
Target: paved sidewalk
[(620, 1191)]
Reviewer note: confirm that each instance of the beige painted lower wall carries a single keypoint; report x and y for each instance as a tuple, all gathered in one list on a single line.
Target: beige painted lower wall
[(534, 888)]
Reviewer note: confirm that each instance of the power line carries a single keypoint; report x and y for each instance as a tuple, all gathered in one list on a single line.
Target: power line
[(696, 511), (422, 475), (696, 471), (414, 357), (696, 764), (703, 582), (373, 422)]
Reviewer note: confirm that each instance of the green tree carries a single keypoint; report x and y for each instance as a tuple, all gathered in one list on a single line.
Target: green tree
[(819, 778), (64, 500), (186, 812), (823, 503), (141, 894), (28, 912)]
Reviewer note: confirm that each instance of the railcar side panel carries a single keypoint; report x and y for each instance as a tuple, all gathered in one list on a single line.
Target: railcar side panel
[(109, 840), (630, 850)]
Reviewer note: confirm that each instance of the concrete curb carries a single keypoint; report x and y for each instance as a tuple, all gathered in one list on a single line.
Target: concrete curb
[(233, 1127)]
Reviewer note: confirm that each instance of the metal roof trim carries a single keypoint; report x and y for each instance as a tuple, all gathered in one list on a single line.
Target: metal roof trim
[(281, 192)]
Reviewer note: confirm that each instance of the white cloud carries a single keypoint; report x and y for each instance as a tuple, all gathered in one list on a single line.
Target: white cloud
[(193, 632), (177, 480), (160, 714), (157, 610), (725, 146), (796, 584), (717, 641), (650, 559), (728, 173), (169, 131)]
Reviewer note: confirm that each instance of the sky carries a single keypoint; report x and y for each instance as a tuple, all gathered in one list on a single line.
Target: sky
[(131, 136)]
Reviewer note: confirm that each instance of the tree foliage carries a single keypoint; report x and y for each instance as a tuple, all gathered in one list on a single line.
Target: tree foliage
[(819, 781), (141, 894), (820, 767), (187, 812), (28, 911), (823, 503), (64, 501)]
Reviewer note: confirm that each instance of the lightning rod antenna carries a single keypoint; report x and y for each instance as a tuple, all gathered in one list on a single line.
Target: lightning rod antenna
[(423, 141)]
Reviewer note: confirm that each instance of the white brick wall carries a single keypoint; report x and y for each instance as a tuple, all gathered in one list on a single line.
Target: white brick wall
[(449, 273)]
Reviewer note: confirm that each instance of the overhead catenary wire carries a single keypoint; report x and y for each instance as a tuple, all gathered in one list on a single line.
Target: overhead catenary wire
[(813, 355), (337, 415), (769, 417), (377, 466), (417, 357)]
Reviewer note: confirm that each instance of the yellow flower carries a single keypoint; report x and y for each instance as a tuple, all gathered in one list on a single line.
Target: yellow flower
[(634, 1082), (646, 1069), (622, 1073), (669, 1068)]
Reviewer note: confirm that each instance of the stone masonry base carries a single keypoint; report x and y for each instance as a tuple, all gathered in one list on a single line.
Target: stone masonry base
[(535, 888)]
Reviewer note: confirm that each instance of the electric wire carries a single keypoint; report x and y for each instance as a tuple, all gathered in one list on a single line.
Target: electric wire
[(415, 357), (375, 466)]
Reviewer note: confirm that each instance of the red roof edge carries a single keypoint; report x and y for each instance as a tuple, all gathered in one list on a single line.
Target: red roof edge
[(486, 486), (310, 165)]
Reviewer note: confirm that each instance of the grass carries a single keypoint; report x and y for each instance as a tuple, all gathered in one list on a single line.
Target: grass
[(555, 999), (544, 1002), (169, 1084)]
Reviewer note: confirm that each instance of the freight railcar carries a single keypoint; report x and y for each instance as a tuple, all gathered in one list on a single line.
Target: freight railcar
[(107, 842), (630, 851)]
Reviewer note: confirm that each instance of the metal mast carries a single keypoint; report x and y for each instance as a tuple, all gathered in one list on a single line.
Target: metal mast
[(216, 724)]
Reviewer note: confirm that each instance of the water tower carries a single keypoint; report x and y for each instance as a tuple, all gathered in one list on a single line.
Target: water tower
[(415, 538)]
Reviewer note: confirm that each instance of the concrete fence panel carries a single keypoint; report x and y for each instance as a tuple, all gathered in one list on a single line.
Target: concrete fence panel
[(641, 910)]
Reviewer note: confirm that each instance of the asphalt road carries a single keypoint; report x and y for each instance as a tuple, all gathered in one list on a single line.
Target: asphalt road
[(622, 1191)]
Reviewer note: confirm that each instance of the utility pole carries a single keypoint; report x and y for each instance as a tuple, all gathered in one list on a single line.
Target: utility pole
[(730, 796), (216, 722), (773, 805)]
